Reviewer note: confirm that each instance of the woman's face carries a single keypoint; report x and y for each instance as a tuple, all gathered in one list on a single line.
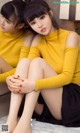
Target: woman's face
[(42, 24), (7, 26)]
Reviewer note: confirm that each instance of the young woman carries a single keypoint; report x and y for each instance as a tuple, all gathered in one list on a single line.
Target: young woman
[(56, 75), (15, 40)]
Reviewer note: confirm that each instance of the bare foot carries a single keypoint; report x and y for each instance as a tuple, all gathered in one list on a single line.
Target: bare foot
[(22, 130), (23, 127), (9, 127)]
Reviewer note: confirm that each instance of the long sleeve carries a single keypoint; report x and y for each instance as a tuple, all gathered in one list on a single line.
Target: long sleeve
[(3, 76), (65, 76), (34, 52), (23, 54)]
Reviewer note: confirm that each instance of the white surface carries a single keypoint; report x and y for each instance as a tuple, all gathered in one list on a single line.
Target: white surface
[(39, 127)]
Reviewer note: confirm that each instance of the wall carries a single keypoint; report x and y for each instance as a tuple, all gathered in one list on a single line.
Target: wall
[(2, 2)]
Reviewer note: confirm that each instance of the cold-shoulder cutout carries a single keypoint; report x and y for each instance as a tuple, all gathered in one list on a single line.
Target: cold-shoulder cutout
[(28, 39), (72, 39), (36, 40)]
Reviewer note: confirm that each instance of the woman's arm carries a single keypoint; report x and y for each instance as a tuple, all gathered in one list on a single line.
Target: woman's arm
[(23, 54), (65, 77), (23, 64), (70, 59), (26, 46)]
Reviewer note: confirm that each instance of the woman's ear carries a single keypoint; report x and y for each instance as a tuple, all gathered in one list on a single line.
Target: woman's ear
[(51, 13), (20, 26)]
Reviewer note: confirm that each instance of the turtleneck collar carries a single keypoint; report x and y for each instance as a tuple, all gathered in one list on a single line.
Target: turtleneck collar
[(52, 35), (11, 35)]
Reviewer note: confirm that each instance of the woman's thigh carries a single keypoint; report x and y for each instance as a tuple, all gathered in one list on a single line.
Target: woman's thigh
[(4, 66), (52, 97)]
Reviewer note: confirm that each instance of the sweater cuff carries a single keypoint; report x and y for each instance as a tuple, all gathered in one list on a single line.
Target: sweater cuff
[(40, 84)]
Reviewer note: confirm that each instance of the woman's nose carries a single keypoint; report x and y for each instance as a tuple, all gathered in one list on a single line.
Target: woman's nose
[(39, 24), (2, 21)]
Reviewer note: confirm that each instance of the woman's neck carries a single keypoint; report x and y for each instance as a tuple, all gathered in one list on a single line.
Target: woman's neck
[(53, 29)]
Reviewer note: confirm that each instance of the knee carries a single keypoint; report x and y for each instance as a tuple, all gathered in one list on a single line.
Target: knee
[(37, 62), (23, 61)]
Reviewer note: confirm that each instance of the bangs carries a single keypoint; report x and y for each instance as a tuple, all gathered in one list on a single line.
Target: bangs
[(34, 11)]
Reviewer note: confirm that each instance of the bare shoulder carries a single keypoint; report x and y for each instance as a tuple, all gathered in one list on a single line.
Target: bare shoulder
[(36, 40), (72, 39), (28, 39)]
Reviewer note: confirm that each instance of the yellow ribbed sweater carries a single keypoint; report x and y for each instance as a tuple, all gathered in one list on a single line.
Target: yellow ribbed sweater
[(64, 60), (12, 50)]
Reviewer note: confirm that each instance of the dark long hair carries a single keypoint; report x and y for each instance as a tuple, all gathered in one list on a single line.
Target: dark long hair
[(77, 26), (36, 8), (13, 11)]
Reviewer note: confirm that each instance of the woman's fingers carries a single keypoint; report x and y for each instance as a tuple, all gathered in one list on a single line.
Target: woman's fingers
[(14, 89)]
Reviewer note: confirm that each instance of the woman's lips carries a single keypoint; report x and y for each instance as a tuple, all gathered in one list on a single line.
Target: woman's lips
[(43, 30)]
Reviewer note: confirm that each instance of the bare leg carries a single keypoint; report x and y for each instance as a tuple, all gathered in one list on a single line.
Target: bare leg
[(13, 112), (24, 124), (39, 108), (39, 69), (17, 98), (4, 66), (52, 97)]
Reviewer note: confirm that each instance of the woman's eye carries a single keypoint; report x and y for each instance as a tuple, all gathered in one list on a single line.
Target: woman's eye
[(42, 17), (8, 21), (32, 23)]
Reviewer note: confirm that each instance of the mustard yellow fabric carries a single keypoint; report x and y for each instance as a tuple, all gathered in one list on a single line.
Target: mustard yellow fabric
[(12, 50), (65, 61)]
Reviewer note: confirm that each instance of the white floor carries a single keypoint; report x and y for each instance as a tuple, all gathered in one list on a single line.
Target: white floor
[(38, 127)]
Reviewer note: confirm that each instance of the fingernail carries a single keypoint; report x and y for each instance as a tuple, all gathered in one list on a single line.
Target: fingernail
[(20, 85)]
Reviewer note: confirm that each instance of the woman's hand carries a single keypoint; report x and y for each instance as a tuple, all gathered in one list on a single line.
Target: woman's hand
[(9, 82), (19, 85)]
